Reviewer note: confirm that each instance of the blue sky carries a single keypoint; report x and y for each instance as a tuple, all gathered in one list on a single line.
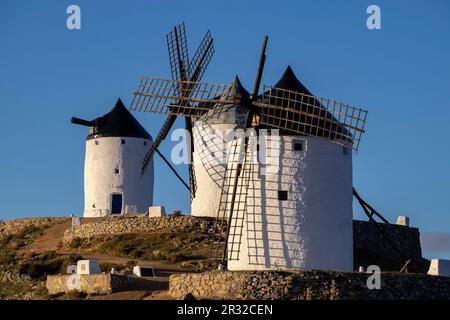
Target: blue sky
[(400, 73)]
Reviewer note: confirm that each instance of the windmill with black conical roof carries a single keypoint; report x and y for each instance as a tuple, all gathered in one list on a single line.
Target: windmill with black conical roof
[(115, 146), (296, 217)]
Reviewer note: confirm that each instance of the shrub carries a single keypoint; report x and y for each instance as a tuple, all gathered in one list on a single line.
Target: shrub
[(176, 213), (11, 289), (75, 243), (171, 247), (7, 256), (38, 267)]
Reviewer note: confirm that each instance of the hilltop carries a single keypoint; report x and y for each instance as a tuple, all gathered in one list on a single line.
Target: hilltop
[(31, 249)]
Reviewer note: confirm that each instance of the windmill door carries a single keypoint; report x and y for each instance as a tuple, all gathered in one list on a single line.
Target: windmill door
[(116, 206)]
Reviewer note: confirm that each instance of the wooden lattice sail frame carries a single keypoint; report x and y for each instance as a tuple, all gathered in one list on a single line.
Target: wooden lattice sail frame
[(184, 72), (312, 116), (276, 108)]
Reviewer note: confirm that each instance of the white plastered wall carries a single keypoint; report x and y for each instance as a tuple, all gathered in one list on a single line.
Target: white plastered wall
[(103, 156), (310, 230), (209, 169)]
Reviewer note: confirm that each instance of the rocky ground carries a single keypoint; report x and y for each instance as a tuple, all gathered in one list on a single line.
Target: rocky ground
[(22, 274), (31, 249)]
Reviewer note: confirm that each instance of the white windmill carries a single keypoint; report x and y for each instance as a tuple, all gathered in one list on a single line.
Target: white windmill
[(298, 217), (115, 146)]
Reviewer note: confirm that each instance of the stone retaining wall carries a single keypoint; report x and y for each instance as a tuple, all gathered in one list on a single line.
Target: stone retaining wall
[(307, 285), (370, 247), (11, 227), (88, 283), (12, 276), (91, 228)]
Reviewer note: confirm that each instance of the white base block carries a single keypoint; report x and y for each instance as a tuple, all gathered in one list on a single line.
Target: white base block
[(88, 267), (157, 211), (141, 271), (439, 267), (403, 221), (72, 269)]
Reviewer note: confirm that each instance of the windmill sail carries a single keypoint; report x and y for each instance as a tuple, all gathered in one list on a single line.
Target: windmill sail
[(178, 53), (226, 243), (312, 116), (287, 106), (160, 96), (201, 58), (185, 76)]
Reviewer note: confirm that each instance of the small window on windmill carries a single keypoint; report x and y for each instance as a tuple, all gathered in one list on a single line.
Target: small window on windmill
[(96, 142), (282, 195), (297, 146), (122, 141), (145, 143), (117, 171)]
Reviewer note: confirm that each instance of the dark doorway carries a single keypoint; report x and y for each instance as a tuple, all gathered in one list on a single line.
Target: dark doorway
[(116, 207)]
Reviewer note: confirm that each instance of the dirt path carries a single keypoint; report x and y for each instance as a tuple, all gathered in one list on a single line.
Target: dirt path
[(52, 237), (148, 289), (49, 240), (158, 295), (143, 289)]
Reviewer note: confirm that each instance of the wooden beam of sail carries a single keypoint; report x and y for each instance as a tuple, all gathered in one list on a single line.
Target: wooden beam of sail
[(161, 96), (312, 116)]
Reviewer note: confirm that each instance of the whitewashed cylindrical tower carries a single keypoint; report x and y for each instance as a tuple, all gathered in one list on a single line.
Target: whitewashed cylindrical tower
[(208, 174), (299, 201), (209, 156), (115, 149), (299, 215)]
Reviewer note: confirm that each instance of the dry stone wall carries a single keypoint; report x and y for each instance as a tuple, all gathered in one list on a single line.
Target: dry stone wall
[(12, 276), (11, 227), (91, 228), (307, 285), (370, 247), (88, 283)]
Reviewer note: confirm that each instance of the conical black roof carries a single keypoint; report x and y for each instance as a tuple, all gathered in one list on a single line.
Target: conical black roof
[(237, 88), (119, 122), (229, 113), (312, 123), (290, 82)]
